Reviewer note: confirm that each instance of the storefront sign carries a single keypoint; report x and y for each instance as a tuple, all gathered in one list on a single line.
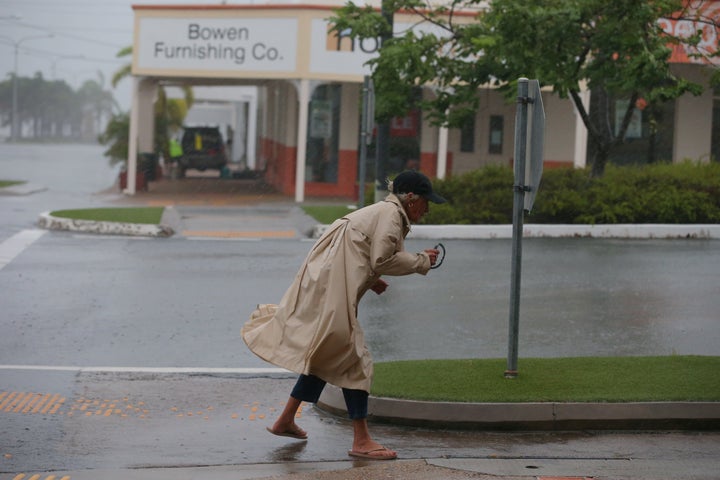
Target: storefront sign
[(708, 12), (337, 53), (333, 54), (217, 44)]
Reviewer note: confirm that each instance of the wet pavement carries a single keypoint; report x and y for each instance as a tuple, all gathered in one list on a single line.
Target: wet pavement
[(154, 426), (582, 296)]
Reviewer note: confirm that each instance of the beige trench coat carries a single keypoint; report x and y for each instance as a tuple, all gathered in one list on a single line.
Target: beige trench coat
[(314, 330)]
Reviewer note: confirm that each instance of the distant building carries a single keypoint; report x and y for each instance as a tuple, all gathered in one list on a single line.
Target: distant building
[(308, 80)]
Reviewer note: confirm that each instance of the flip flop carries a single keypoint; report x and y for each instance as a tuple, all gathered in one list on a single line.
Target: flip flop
[(369, 454), (288, 433)]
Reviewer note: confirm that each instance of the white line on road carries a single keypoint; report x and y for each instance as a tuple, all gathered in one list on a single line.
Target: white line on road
[(14, 246), (222, 239), (166, 370)]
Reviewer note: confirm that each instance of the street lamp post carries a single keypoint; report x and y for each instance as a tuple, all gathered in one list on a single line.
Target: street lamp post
[(15, 124)]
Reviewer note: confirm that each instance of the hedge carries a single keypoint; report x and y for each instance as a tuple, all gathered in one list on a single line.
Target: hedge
[(687, 192)]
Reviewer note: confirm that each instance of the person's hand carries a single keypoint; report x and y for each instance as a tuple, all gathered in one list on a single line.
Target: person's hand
[(433, 254), (379, 286)]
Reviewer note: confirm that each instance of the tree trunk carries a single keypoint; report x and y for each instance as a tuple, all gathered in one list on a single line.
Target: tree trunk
[(599, 160), (596, 122)]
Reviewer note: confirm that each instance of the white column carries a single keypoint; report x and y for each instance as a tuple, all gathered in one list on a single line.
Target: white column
[(251, 134), (133, 137), (304, 100), (147, 96), (442, 152)]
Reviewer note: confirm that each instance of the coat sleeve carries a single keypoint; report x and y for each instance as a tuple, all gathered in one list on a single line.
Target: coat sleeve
[(387, 256)]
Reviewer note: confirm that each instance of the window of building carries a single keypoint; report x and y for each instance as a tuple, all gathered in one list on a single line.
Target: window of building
[(323, 140), (495, 143), (467, 136), (649, 137)]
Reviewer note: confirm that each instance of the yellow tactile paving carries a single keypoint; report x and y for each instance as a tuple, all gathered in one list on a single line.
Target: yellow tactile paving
[(564, 478), (239, 234), (22, 476), (25, 402), (29, 403), (54, 404)]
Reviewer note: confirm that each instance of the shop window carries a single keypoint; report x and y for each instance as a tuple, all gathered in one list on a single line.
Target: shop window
[(467, 136), (649, 137), (403, 145), (495, 143), (321, 161)]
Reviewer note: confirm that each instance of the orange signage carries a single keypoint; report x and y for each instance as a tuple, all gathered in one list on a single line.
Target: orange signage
[(698, 17)]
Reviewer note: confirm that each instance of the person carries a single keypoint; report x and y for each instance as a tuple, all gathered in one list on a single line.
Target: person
[(314, 331), (175, 149)]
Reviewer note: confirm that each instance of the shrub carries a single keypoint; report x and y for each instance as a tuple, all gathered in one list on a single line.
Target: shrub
[(482, 196), (688, 192)]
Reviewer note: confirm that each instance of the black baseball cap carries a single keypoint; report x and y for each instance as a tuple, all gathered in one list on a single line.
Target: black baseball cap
[(417, 183)]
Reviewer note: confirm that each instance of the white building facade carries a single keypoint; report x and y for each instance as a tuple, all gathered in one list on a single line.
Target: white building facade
[(305, 136)]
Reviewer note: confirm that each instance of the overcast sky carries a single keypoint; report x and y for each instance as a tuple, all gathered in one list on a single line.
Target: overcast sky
[(86, 36)]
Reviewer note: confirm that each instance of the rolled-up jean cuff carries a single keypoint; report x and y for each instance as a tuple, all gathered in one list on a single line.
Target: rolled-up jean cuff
[(356, 402), (308, 388)]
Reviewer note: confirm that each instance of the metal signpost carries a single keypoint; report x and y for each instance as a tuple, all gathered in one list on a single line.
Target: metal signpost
[(529, 136), (367, 122)]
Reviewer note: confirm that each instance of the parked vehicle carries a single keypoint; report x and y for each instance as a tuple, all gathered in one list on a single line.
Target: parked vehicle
[(202, 148)]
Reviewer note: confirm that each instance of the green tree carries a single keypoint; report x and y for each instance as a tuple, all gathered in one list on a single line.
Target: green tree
[(52, 109), (60, 110), (45, 106), (616, 47), (116, 136), (98, 105)]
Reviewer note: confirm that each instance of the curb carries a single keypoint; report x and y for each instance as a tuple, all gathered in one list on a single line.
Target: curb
[(49, 222), (534, 416), (620, 231), (22, 189)]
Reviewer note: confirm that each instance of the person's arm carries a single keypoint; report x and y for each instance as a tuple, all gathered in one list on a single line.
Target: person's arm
[(386, 254)]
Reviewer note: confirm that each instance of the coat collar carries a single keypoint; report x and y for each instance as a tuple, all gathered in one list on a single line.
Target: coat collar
[(392, 198)]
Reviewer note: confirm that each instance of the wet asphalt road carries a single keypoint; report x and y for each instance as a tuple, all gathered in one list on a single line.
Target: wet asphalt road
[(75, 301)]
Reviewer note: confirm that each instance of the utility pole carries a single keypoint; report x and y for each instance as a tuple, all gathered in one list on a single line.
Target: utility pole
[(382, 141)]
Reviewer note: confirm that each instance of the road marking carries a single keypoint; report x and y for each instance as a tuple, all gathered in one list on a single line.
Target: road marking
[(21, 476), (216, 239), (15, 245), (25, 402), (238, 234), (168, 370)]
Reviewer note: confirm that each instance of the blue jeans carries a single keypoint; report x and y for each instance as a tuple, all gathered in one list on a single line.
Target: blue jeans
[(309, 387)]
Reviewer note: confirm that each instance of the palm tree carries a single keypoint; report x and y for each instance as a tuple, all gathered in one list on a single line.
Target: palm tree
[(169, 116), (98, 104)]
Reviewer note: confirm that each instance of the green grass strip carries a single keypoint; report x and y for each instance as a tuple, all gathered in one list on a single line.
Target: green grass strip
[(581, 379), (10, 183), (149, 215), (326, 214)]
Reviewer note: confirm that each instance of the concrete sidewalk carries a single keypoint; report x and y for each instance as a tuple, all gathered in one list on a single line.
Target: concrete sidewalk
[(230, 208), (428, 469)]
